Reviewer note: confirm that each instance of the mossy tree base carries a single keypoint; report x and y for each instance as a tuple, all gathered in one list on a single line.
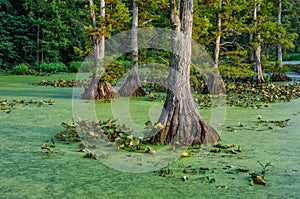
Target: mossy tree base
[(101, 90), (183, 124), (215, 85), (257, 80), (131, 87), (280, 77)]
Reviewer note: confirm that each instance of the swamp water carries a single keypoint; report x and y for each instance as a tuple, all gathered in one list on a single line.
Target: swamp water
[(28, 172)]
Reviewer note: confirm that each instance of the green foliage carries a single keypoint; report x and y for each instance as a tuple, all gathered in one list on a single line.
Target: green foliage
[(264, 167), (39, 31), (295, 68), (259, 178), (87, 66), (292, 57), (74, 66), (236, 72), (21, 69), (275, 69), (116, 70), (196, 80), (51, 67)]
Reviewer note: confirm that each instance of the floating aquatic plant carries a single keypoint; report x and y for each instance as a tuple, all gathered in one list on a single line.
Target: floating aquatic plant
[(62, 83), (7, 106), (207, 180), (253, 95), (48, 147), (259, 177), (165, 171), (107, 133), (280, 123), (218, 148)]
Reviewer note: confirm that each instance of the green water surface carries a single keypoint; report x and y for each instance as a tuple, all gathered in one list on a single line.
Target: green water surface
[(28, 172)]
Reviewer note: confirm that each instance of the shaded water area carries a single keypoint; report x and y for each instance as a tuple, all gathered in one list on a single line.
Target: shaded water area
[(28, 172), (291, 62)]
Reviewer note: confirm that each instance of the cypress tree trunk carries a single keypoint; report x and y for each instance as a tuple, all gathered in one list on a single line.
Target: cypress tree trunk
[(250, 50), (215, 82), (259, 79), (99, 89), (218, 38), (132, 85), (180, 118)]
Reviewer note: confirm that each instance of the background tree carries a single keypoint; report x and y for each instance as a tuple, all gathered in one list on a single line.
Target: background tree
[(132, 85), (279, 75), (180, 118), (291, 17), (16, 45), (259, 78), (33, 31), (220, 25), (107, 22)]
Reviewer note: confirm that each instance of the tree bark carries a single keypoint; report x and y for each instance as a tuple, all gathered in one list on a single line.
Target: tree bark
[(259, 79), (250, 51), (38, 44), (215, 82), (132, 85), (218, 38), (180, 118), (279, 47)]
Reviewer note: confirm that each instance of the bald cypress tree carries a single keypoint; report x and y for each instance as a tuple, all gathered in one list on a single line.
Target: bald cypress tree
[(180, 118)]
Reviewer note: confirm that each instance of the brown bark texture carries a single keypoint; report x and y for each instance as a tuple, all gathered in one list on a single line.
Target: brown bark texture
[(180, 120), (259, 79), (100, 90), (280, 77)]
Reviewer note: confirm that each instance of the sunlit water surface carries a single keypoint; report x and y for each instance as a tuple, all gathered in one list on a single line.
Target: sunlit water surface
[(27, 172)]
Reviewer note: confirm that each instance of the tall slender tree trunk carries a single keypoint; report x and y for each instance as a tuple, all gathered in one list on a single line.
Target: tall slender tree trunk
[(215, 81), (279, 47), (38, 44), (98, 89), (250, 51), (280, 75), (180, 118), (259, 79), (101, 47), (132, 85), (218, 38)]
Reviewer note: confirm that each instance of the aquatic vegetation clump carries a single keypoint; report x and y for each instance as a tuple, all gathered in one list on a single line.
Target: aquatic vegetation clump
[(259, 177), (280, 123), (48, 147), (108, 133), (62, 83), (254, 95), (218, 148), (7, 106)]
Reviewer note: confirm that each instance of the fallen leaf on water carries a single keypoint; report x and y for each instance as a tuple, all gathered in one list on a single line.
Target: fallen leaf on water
[(185, 154)]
